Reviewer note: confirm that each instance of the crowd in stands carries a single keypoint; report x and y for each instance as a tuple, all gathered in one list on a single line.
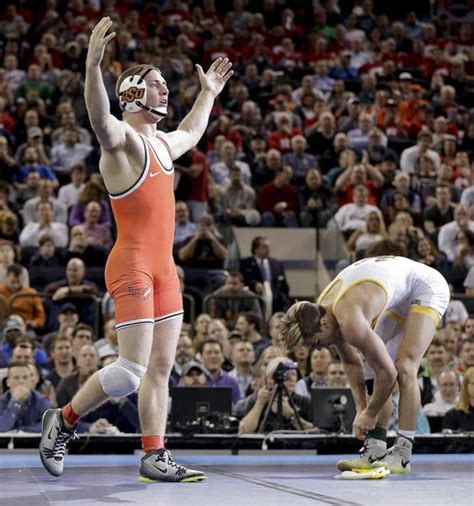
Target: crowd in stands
[(351, 115)]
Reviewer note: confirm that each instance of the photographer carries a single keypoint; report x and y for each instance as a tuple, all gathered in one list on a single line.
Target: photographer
[(252, 409)]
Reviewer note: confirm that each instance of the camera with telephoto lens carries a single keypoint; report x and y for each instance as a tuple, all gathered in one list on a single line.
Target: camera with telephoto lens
[(282, 369)]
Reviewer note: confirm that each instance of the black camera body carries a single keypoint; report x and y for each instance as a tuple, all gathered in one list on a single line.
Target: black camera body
[(282, 368)]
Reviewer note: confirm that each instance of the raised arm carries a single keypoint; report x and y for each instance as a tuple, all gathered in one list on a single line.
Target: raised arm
[(193, 126), (109, 130)]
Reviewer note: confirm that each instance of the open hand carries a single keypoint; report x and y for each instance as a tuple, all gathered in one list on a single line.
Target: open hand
[(98, 41), (215, 78)]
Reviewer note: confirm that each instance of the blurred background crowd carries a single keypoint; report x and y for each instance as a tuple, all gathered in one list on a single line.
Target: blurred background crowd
[(354, 115)]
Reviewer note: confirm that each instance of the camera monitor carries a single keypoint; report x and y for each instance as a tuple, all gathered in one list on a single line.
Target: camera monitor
[(333, 408), (196, 403)]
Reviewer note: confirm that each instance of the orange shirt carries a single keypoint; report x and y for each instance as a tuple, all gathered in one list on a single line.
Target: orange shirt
[(29, 308)]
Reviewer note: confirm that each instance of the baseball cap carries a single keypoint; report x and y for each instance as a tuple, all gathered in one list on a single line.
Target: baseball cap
[(353, 100), (35, 132), (187, 368), (405, 76), (11, 324), (69, 306)]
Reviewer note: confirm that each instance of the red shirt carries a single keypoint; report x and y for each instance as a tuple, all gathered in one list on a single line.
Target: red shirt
[(199, 187), (269, 195), (281, 140)]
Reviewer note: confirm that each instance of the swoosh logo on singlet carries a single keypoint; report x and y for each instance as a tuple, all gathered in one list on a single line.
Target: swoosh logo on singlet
[(153, 174)]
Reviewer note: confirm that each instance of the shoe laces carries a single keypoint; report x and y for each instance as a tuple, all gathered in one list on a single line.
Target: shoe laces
[(166, 457), (61, 442)]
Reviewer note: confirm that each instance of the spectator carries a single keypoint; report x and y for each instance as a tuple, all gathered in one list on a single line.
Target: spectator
[(9, 230), (63, 365), (316, 201), (92, 192), (90, 254), (461, 418), (47, 254), (69, 193), (82, 334), (96, 233), (281, 138), (440, 213), (68, 153), (448, 234), (427, 253), (351, 217), (34, 82), (242, 356), (221, 170), (466, 353), (239, 201), (34, 139), (278, 200), (108, 345), (373, 231), (249, 326), (336, 376), (464, 255), (87, 365), (205, 249), (319, 362), (446, 397), (30, 307), (410, 156), (14, 333), (212, 360), (232, 299), (8, 165), (437, 360), (68, 121), (7, 258), (185, 353), (45, 194), (30, 188), (355, 175), (44, 225), (411, 111), (193, 375), (265, 275), (401, 185), (201, 324), (183, 227), (66, 289), (21, 407), (358, 138), (299, 160), (252, 409), (30, 163)]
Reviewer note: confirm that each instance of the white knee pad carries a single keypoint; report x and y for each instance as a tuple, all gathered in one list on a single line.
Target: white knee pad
[(121, 378)]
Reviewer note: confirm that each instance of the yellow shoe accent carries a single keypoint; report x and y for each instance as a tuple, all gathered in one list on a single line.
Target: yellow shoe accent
[(191, 479)]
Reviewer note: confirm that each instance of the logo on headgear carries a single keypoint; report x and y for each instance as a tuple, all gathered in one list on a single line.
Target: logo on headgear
[(133, 94)]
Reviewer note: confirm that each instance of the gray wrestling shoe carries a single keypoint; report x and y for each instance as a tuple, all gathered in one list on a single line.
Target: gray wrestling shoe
[(54, 439), (159, 465), (370, 456), (398, 458)]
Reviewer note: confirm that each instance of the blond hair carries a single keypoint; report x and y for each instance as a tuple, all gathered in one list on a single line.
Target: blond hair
[(300, 321), (464, 404)]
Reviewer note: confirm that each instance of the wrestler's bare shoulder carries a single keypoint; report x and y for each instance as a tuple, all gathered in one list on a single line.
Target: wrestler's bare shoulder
[(122, 165)]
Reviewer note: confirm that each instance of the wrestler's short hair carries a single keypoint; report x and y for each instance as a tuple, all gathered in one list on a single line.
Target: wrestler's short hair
[(302, 320), (134, 70)]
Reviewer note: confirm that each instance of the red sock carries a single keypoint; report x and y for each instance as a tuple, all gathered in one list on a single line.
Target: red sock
[(69, 416), (150, 443)]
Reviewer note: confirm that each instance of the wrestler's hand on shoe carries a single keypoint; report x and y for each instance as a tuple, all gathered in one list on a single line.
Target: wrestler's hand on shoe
[(363, 422)]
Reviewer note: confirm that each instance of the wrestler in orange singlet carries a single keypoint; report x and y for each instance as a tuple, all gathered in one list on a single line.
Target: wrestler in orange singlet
[(137, 166)]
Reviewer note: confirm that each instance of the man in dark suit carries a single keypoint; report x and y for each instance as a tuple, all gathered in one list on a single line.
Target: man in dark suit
[(260, 267)]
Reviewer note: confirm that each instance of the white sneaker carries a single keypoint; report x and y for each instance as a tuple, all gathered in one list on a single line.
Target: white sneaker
[(370, 455), (398, 458)]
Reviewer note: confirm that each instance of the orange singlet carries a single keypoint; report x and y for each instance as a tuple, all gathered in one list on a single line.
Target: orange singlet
[(140, 274)]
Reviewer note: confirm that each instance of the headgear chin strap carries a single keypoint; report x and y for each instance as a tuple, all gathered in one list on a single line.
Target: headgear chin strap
[(132, 95)]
